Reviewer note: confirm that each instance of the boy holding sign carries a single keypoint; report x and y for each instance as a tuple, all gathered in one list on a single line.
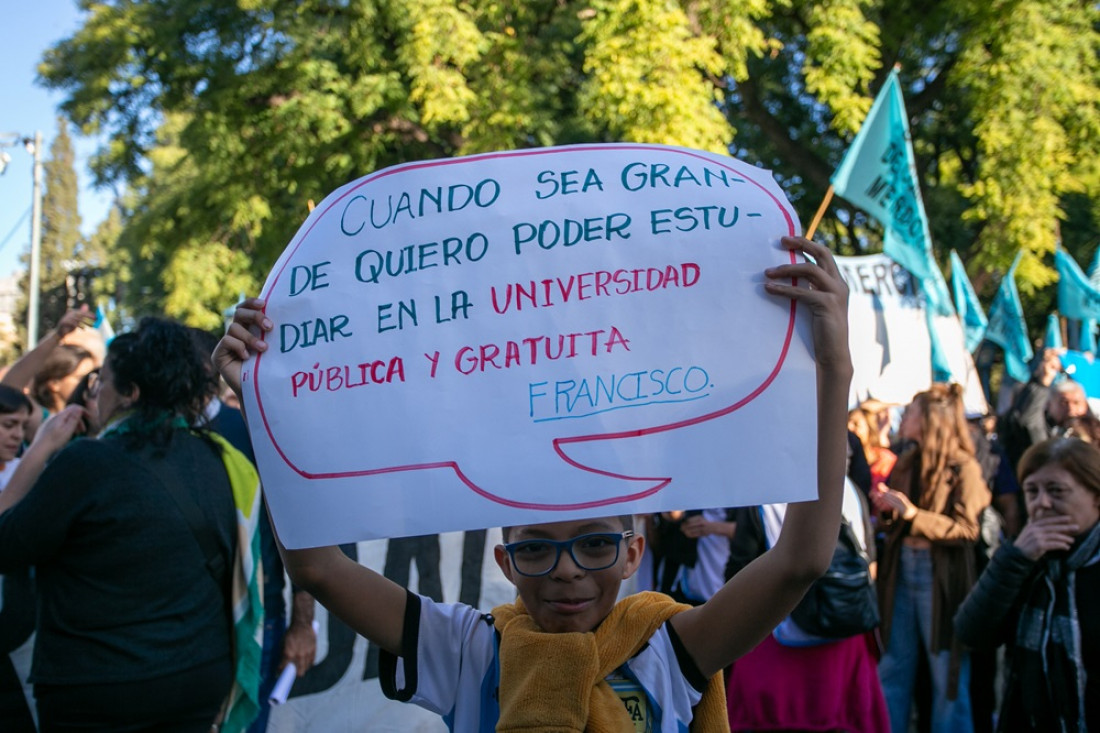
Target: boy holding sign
[(566, 656)]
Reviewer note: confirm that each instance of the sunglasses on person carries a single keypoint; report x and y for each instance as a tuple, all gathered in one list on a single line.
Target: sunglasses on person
[(595, 551)]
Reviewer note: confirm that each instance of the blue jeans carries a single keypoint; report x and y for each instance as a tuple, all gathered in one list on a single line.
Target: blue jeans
[(272, 654), (910, 635)]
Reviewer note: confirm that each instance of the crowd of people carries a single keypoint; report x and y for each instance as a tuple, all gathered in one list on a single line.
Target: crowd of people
[(128, 503), (982, 535), (134, 542)]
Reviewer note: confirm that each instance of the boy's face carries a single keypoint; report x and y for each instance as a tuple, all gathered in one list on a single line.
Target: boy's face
[(13, 427), (570, 598)]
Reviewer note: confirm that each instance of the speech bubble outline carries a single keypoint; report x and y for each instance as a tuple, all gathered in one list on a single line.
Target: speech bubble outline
[(657, 483)]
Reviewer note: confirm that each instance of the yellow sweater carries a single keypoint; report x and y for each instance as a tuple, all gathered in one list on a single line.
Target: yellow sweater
[(554, 683)]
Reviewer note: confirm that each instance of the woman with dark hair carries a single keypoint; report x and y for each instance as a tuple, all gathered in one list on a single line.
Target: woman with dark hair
[(1041, 595), (930, 512), (135, 542), (15, 410)]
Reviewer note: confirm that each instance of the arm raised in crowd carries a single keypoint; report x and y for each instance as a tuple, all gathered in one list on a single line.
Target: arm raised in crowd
[(761, 595), (22, 372), (342, 585)]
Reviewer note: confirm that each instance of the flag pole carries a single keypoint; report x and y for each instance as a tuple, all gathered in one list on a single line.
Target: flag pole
[(820, 212)]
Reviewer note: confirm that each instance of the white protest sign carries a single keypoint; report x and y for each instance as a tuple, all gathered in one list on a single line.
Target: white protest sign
[(533, 335), (888, 336)]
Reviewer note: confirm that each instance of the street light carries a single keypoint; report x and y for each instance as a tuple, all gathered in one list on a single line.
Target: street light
[(34, 147)]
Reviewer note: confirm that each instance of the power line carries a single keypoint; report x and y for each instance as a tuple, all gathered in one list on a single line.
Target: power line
[(15, 228)]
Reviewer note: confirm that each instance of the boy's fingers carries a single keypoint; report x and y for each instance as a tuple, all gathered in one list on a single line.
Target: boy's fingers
[(818, 251), (794, 292), (251, 311), (252, 317), (814, 274), (232, 347), (246, 338)]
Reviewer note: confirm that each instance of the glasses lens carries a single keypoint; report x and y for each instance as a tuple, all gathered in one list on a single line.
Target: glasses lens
[(596, 551), (534, 557), (589, 552)]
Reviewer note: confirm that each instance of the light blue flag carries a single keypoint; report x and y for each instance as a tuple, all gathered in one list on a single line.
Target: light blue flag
[(1053, 337), (1007, 328), (103, 325), (1087, 339), (1077, 298), (967, 305), (879, 175), (1094, 270)]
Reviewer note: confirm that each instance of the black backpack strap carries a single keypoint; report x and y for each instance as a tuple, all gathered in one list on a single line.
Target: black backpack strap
[(387, 662), (848, 536), (201, 529)]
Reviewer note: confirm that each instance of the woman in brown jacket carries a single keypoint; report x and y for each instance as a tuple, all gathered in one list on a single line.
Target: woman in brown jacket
[(930, 511)]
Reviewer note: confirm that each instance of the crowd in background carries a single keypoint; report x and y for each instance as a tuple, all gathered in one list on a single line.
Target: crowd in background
[(982, 540), (980, 534)]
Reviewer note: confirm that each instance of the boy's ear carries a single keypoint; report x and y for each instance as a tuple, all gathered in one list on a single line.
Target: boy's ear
[(501, 556), (635, 549)]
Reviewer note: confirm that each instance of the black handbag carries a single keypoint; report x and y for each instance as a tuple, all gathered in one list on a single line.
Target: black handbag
[(842, 602)]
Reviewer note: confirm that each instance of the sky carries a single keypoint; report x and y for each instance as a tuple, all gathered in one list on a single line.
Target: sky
[(28, 29)]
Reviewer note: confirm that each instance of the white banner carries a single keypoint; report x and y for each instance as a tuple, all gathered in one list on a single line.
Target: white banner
[(341, 694), (532, 336), (888, 336)]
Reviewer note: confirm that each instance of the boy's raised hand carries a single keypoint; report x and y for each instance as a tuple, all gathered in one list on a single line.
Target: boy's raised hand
[(826, 295), (768, 588), (368, 602), (241, 340)]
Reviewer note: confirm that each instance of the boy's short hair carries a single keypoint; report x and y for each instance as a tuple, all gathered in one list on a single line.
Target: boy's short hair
[(626, 519), (13, 400)]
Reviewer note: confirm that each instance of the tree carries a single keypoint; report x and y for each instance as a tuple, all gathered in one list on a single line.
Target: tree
[(226, 118)]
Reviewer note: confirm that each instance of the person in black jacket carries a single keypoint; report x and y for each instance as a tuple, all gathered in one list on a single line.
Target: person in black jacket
[(1041, 409), (134, 630), (1041, 595)]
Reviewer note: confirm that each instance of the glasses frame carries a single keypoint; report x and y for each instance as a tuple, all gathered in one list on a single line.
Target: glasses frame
[(563, 545)]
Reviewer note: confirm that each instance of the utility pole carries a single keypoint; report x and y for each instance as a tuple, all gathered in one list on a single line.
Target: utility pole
[(36, 244), (34, 147)]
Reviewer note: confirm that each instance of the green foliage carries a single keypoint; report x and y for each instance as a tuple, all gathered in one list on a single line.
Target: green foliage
[(196, 274), (643, 80), (841, 58), (1036, 142), (225, 119)]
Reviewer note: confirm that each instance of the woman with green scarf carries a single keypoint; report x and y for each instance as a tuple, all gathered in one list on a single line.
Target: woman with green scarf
[(136, 541)]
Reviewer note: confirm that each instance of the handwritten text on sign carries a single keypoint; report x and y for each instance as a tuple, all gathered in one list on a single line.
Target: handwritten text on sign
[(546, 333)]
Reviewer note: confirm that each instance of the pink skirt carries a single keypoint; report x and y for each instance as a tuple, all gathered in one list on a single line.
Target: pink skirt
[(831, 687)]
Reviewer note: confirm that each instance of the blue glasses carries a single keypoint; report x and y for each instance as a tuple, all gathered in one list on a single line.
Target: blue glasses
[(596, 551)]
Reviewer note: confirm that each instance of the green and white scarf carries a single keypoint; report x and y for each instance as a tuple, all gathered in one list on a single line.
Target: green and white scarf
[(247, 602)]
